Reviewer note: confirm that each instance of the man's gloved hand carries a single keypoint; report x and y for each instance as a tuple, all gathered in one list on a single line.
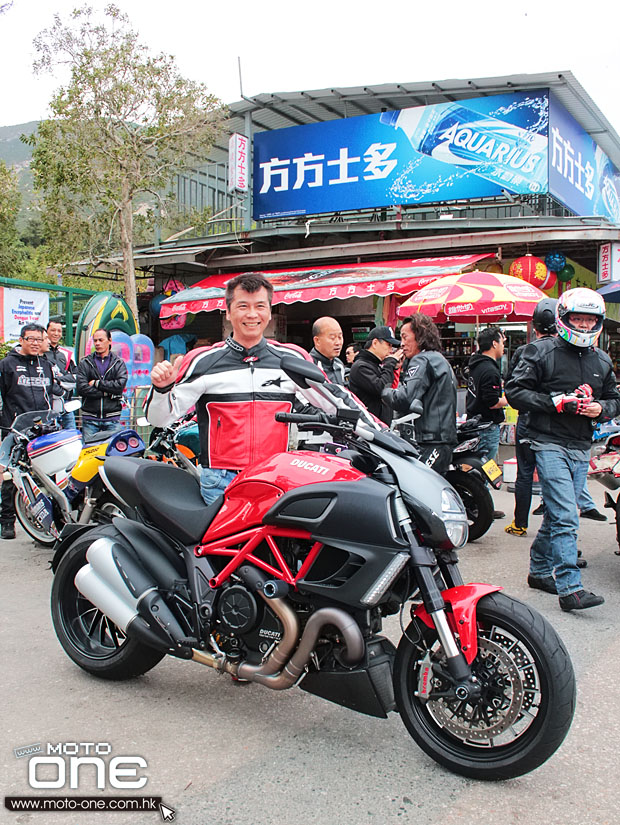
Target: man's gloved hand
[(570, 403), (584, 391)]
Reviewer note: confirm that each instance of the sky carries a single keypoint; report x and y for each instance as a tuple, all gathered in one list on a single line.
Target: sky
[(290, 46)]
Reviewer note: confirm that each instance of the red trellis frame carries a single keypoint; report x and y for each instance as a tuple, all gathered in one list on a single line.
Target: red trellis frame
[(252, 539)]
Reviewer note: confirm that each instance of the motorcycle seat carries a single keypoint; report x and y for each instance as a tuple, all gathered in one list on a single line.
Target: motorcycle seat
[(168, 496), (97, 438)]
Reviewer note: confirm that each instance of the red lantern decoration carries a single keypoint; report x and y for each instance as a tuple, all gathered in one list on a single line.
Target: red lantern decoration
[(550, 281), (529, 269)]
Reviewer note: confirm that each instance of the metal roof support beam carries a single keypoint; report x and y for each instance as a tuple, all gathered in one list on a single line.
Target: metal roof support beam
[(404, 247)]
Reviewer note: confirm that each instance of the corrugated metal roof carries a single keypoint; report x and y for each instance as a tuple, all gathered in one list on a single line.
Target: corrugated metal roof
[(283, 109)]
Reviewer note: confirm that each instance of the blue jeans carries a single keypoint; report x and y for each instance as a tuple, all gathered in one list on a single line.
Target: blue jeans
[(214, 482), (554, 550), (91, 426), (67, 421), (489, 442), (585, 501)]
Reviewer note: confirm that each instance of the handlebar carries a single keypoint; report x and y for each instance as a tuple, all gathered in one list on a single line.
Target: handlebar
[(302, 418)]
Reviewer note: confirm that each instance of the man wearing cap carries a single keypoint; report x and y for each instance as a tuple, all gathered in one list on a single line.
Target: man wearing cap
[(374, 369)]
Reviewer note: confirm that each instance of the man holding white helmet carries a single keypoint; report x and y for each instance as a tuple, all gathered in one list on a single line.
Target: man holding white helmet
[(567, 385)]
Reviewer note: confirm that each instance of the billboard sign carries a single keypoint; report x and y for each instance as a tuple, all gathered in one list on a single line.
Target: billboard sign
[(19, 307), (581, 176), (448, 151)]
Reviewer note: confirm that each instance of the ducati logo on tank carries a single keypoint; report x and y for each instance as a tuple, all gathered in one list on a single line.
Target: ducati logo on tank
[(308, 465)]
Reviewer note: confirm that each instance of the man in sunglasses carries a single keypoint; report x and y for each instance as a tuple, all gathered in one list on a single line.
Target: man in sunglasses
[(26, 385)]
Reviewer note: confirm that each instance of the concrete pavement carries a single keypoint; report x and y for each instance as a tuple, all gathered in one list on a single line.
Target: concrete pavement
[(221, 754)]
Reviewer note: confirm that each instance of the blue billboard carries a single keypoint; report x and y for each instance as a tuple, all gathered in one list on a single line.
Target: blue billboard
[(581, 176), (426, 154)]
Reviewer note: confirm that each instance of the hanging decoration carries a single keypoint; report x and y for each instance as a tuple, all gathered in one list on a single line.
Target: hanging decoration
[(550, 281), (555, 261), (495, 268), (155, 304), (529, 269), (566, 273)]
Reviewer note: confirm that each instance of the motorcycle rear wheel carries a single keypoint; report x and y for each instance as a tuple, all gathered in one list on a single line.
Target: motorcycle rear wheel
[(476, 499), (30, 524), (88, 637), (527, 702)]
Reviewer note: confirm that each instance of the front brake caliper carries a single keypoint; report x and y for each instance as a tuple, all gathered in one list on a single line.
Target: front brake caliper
[(425, 678)]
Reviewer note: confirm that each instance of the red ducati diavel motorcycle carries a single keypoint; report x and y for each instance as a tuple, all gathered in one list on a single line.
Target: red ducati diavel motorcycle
[(285, 581)]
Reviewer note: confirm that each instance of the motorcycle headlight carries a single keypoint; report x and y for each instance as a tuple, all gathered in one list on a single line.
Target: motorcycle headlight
[(454, 517)]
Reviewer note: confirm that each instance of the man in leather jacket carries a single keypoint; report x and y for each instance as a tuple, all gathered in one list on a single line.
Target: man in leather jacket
[(237, 386), (566, 385), (428, 378), (101, 379)]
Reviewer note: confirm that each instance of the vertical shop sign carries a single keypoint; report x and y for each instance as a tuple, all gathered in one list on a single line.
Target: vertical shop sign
[(608, 263), (238, 146)]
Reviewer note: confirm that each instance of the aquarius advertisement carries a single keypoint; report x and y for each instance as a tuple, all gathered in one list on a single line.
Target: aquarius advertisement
[(475, 148)]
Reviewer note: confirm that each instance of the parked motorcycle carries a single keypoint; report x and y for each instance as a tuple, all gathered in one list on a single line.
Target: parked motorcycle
[(286, 578), (469, 474), (605, 468), (56, 475), (178, 444)]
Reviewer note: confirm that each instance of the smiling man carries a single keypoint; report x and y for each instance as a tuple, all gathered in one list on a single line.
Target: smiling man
[(236, 385)]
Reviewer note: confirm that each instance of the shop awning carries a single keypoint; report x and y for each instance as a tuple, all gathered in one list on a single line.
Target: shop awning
[(323, 283)]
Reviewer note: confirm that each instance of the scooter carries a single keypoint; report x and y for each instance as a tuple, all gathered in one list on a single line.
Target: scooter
[(56, 475), (286, 578)]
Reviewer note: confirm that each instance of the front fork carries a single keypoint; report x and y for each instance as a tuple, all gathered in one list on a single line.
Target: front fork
[(432, 611)]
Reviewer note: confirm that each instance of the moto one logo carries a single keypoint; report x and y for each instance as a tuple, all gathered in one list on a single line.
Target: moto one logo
[(64, 761), (308, 465)]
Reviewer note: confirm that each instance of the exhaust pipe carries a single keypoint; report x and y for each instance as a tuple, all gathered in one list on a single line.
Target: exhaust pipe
[(280, 672), (119, 586)]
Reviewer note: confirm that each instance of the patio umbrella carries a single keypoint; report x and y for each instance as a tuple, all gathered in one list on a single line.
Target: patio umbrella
[(474, 296), (611, 293)]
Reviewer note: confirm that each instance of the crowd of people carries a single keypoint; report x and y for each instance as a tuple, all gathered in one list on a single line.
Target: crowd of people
[(238, 384)]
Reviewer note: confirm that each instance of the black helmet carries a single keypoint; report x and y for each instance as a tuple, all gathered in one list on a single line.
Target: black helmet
[(543, 318)]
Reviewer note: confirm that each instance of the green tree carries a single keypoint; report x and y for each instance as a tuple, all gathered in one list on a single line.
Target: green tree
[(123, 125), (11, 250)]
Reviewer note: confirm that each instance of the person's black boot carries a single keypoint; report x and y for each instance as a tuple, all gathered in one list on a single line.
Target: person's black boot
[(7, 531), (546, 583), (580, 600)]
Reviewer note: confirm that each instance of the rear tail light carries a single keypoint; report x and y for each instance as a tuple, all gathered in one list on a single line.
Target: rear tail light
[(121, 446), (133, 442)]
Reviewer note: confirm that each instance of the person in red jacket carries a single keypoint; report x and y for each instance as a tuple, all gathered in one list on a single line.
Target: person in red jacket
[(237, 386)]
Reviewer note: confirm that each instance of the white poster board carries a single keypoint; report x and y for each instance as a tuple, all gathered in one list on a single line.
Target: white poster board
[(23, 306)]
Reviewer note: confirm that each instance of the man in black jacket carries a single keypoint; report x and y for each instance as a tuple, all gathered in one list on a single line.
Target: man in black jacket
[(328, 341), (374, 369), (26, 385), (101, 379), (65, 368), (566, 385), (484, 388), (428, 378)]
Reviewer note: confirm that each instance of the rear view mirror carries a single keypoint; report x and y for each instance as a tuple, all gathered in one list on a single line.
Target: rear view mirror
[(298, 370), (143, 422), (73, 405)]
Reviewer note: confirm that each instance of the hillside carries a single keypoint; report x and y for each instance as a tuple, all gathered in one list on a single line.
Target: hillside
[(17, 155)]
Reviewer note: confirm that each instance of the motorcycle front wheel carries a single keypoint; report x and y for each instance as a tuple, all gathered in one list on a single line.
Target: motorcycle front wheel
[(30, 523), (476, 499), (88, 637), (527, 701)]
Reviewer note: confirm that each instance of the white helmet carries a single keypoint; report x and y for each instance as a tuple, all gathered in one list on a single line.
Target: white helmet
[(583, 301)]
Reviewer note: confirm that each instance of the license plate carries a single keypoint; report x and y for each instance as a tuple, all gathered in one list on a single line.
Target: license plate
[(491, 470)]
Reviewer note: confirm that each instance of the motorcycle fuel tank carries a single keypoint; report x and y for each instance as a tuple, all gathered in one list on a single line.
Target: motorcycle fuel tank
[(54, 452), (255, 490)]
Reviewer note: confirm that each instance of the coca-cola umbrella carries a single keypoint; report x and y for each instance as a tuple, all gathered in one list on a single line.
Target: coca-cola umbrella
[(472, 297)]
